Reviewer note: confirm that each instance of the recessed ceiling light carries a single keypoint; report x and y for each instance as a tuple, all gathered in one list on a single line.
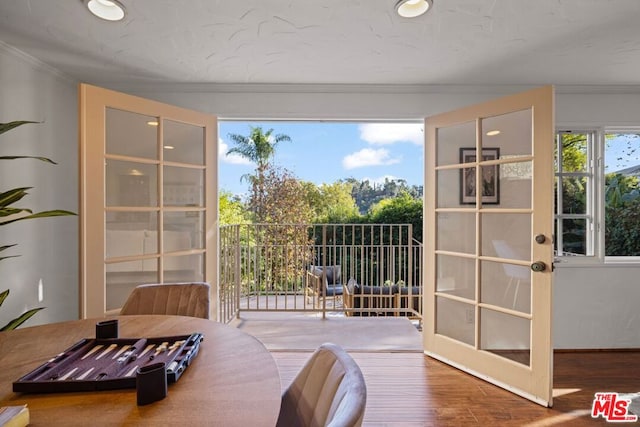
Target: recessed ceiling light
[(110, 10), (493, 132), (169, 147), (413, 8)]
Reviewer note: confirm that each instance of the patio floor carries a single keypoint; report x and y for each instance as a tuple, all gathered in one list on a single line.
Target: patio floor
[(282, 331)]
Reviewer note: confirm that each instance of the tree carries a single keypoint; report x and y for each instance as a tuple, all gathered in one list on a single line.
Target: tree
[(259, 147), (336, 204), (403, 209), (231, 209)]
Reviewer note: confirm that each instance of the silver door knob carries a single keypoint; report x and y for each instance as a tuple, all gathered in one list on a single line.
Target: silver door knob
[(538, 266)]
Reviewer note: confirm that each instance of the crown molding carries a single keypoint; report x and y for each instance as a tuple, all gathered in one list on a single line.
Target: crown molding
[(35, 62)]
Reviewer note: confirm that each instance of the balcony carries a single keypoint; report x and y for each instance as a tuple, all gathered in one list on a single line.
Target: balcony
[(356, 270)]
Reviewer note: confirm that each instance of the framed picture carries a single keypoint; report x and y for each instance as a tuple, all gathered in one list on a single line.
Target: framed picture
[(490, 177)]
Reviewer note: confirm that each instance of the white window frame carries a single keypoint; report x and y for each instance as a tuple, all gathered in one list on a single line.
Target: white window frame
[(595, 209)]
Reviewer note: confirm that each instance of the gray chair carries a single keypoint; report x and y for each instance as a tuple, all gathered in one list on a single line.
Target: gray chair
[(182, 299), (329, 391)]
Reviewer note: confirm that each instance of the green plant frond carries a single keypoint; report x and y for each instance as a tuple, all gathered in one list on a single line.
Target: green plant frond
[(9, 197), (44, 159), (6, 127), (3, 296), (43, 214), (7, 257), (13, 324), (2, 248), (12, 211)]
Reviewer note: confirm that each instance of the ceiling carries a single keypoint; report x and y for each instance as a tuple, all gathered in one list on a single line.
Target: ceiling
[(459, 42)]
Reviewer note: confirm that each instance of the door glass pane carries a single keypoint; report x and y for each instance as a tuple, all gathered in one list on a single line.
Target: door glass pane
[(131, 134), (131, 184), (511, 132), (506, 336), (451, 139), (506, 235), (183, 231), (456, 232), (516, 185), (185, 268), (183, 186), (183, 143), (455, 320), (449, 188), (456, 276), (506, 285)]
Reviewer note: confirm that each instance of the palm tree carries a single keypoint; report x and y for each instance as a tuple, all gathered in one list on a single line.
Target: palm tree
[(259, 147)]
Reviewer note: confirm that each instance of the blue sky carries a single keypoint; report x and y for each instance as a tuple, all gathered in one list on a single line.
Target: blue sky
[(325, 152)]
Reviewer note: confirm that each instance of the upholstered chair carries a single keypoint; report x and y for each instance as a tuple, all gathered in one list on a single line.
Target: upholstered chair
[(182, 299), (329, 391)]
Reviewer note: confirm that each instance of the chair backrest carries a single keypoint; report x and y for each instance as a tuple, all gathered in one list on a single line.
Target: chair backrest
[(329, 391), (333, 273), (182, 299)]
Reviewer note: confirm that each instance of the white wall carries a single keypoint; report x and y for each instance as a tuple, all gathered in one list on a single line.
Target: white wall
[(594, 307), (48, 247)]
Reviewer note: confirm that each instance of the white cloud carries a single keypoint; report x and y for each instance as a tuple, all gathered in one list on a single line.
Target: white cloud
[(234, 159), (391, 133), (369, 157)]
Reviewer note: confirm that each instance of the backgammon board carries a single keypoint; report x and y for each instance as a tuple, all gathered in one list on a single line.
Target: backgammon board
[(110, 363)]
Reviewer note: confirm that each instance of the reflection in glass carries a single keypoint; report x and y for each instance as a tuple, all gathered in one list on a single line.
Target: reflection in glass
[(450, 139), (131, 134), (183, 231), (456, 232), (448, 188), (516, 185), (131, 184), (183, 186), (183, 143), (511, 132), (506, 336), (506, 285), (455, 320), (184, 268), (498, 229), (456, 276)]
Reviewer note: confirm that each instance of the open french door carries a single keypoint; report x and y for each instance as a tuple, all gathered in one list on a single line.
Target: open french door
[(489, 243), (148, 197)]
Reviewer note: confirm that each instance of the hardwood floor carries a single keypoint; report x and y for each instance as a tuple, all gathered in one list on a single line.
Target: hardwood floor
[(409, 389)]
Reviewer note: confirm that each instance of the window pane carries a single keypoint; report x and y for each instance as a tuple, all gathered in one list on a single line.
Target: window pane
[(622, 194), (574, 152), (574, 236), (574, 195)]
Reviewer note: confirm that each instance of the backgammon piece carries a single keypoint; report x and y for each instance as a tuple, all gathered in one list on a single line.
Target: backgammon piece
[(146, 350), (93, 350), (68, 374), (86, 374), (107, 350), (161, 348), (176, 345), (119, 352), (131, 372)]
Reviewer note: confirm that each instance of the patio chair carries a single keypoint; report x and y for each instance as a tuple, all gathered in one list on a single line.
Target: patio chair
[(329, 391), (181, 299), (324, 282)]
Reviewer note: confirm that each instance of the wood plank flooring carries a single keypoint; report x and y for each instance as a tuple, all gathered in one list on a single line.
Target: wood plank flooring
[(409, 389)]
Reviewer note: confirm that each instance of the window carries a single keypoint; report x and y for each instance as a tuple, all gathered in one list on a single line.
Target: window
[(597, 194), (574, 193), (621, 194)]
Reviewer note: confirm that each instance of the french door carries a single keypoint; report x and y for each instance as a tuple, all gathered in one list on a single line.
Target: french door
[(148, 196), (489, 243)]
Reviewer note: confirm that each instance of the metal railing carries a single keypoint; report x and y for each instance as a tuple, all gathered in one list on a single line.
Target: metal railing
[(270, 267)]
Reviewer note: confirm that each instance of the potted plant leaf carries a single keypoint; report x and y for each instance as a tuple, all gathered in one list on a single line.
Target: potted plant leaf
[(10, 213)]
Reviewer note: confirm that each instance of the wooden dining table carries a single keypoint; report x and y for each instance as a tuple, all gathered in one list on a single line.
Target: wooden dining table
[(233, 380)]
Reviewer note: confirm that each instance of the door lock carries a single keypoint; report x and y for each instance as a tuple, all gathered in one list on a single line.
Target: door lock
[(538, 266), (540, 238)]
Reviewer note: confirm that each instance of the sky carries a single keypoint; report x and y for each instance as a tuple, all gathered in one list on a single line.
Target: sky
[(325, 152)]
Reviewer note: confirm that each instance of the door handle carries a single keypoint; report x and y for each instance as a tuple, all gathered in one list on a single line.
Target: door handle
[(538, 266)]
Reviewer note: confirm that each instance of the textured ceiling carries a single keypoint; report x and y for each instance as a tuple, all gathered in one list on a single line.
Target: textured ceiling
[(459, 42)]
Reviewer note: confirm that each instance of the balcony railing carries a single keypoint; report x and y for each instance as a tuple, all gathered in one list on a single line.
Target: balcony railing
[(357, 269)]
